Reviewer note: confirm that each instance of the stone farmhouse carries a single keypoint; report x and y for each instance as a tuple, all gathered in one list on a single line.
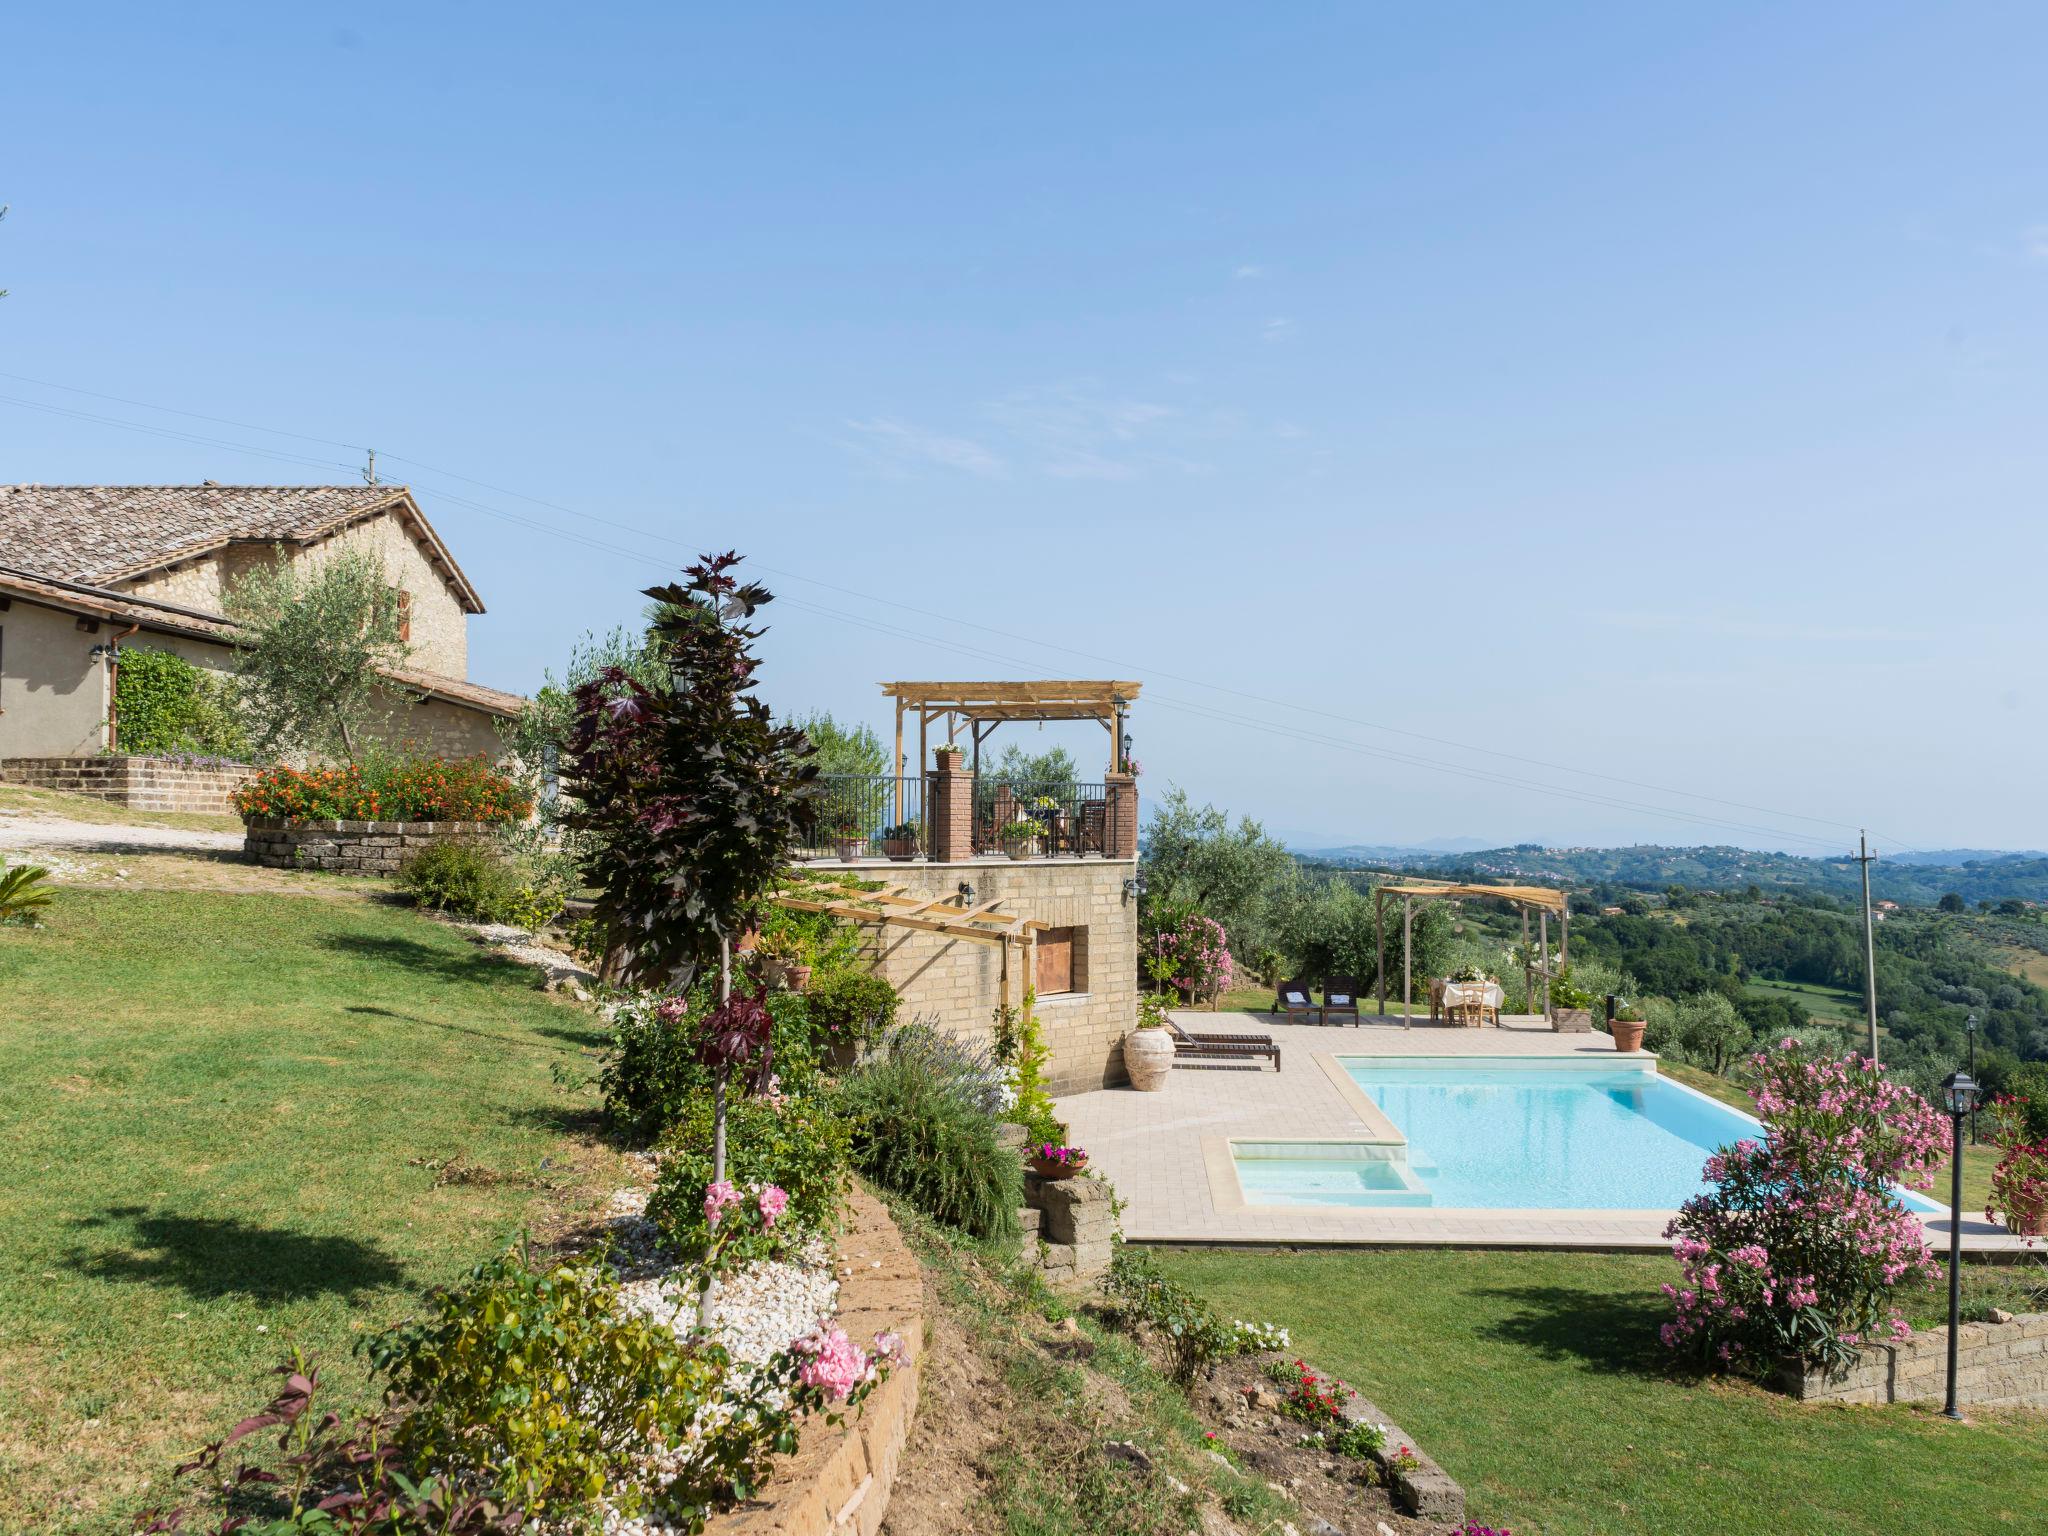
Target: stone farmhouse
[(88, 569)]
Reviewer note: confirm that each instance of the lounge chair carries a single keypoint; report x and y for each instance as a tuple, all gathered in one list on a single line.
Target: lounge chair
[(1222, 1047), (1295, 1001), (1340, 999)]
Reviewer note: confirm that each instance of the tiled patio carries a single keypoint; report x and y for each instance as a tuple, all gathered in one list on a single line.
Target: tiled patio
[(1166, 1152)]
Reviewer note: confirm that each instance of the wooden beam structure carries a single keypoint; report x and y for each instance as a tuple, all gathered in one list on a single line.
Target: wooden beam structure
[(984, 706), (1540, 899), (899, 909)]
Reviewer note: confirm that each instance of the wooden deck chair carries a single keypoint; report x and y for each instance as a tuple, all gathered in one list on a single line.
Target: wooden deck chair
[(1212, 1047), (1340, 999), (1296, 1002)]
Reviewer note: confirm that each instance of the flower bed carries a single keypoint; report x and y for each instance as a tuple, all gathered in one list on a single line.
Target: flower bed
[(406, 789)]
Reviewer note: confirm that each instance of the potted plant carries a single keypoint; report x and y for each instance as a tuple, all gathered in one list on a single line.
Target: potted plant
[(901, 841), (1020, 837), (784, 960), (1571, 1006), (2019, 1184), (1627, 1025), (1148, 1049), (947, 757), (1055, 1162), (848, 841)]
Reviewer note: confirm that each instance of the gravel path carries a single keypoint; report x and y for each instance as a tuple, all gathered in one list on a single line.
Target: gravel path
[(24, 832)]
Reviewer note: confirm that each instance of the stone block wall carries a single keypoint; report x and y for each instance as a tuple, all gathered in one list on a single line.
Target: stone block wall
[(956, 984), (1997, 1365), (1074, 1222), (141, 783), (350, 847)]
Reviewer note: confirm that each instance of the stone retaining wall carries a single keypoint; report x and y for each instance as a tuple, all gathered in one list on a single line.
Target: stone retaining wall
[(141, 783), (350, 847), (1997, 1365), (838, 1482)]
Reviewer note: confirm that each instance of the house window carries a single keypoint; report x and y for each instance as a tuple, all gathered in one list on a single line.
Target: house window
[(1062, 961), (404, 615)]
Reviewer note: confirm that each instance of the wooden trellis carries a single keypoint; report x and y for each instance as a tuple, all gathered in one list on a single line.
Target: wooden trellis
[(1539, 898), (899, 908), (981, 707)]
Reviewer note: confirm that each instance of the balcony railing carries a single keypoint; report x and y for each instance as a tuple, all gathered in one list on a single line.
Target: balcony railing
[(866, 816), (1072, 821)]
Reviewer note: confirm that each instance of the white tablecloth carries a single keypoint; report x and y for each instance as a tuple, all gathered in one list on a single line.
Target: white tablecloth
[(1459, 994)]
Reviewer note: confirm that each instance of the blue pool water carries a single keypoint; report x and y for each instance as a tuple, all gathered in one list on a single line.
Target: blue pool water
[(1499, 1136)]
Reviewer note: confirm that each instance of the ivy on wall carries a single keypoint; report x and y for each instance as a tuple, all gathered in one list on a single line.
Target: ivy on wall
[(163, 703)]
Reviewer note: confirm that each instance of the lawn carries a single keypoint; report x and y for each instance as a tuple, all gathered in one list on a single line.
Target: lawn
[(1832, 1005), (230, 1123), (52, 802), (1537, 1380)]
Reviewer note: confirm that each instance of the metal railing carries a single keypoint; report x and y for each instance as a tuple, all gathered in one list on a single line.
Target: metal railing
[(866, 816), (1073, 821)]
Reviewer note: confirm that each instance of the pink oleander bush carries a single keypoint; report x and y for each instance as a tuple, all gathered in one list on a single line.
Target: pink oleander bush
[(1194, 955), (2019, 1184), (1796, 1252)]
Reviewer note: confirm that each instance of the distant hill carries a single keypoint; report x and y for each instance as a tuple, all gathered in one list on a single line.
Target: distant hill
[(1912, 880)]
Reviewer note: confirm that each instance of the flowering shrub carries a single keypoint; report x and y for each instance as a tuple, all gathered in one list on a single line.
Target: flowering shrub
[(1257, 1338), (739, 1225), (1064, 1157), (1797, 1250), (1193, 953), (1318, 1401), (399, 789), (2019, 1185)]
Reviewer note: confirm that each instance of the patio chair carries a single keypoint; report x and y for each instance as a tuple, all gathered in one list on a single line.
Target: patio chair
[(1340, 999), (1210, 1047), (1295, 1001)]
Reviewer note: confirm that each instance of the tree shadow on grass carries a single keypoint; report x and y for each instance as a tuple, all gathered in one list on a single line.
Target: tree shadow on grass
[(212, 1256), (563, 1119), (519, 1039), (475, 967), (1611, 1332)]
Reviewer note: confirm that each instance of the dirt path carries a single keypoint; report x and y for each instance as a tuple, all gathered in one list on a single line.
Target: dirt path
[(23, 831)]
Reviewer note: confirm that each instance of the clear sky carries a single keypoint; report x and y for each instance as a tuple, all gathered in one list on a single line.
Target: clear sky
[(1656, 392)]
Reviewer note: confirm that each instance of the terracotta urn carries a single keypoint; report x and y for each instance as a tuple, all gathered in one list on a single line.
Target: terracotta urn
[(1628, 1034), (1148, 1057), (796, 977)]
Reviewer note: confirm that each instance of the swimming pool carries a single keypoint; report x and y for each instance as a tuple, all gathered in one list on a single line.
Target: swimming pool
[(1507, 1135)]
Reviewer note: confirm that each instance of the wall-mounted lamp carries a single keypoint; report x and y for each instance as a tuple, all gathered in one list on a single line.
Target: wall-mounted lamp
[(99, 651), (966, 893), (1134, 887)]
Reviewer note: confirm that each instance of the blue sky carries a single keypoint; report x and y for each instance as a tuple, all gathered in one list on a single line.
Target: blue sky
[(1647, 393)]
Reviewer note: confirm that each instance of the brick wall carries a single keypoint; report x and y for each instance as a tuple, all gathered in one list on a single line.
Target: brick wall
[(838, 1482), (956, 983), (141, 783), (349, 847), (1997, 1365)]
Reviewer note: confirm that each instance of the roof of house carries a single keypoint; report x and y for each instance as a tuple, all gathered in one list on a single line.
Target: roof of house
[(168, 618), (105, 534)]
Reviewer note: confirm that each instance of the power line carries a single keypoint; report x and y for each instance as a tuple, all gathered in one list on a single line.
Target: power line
[(1204, 711)]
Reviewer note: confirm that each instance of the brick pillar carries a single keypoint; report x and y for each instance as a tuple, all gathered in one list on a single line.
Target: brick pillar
[(1123, 815), (950, 789)]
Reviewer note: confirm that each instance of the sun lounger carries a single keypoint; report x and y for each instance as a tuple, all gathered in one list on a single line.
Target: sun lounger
[(1340, 999), (1208, 1047), (1297, 1003)]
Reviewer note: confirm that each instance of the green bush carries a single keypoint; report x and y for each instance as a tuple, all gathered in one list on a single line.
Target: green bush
[(651, 1072), (2029, 1081), (850, 1005), (476, 880), (163, 703), (1194, 1338), (539, 1385), (804, 1145), (924, 1125), (1021, 1052)]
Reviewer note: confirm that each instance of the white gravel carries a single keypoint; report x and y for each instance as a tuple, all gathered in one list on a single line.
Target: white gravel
[(518, 944)]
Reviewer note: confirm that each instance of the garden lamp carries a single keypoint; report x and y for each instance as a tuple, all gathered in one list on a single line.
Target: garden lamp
[(1970, 1030), (966, 892), (1134, 887), (1959, 1097)]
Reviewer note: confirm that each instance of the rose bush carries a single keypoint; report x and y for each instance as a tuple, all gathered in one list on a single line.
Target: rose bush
[(1797, 1250)]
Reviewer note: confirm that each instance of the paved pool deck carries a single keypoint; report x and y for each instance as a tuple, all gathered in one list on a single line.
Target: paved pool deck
[(1168, 1154)]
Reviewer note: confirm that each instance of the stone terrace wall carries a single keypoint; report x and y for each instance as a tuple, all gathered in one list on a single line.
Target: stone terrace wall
[(838, 1481), (141, 783), (1997, 1365), (349, 847)]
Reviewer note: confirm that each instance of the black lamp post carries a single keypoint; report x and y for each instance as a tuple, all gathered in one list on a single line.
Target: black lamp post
[(1959, 1096), (1970, 1031)]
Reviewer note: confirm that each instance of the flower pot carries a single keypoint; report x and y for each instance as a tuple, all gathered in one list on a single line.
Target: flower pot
[(1628, 1034), (796, 977), (901, 849), (1046, 1168), (1148, 1057), (772, 969), (851, 848), (1022, 848)]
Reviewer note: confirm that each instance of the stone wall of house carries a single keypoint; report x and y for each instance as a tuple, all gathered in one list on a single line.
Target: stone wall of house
[(350, 847), (839, 1480), (141, 783), (957, 983), (440, 627), (1998, 1365)]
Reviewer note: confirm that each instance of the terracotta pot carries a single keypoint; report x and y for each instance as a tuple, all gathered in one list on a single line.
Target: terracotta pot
[(1045, 1168), (1148, 1057), (1628, 1034), (797, 977)]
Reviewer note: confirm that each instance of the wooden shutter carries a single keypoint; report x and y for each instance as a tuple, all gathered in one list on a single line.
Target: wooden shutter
[(1055, 961), (404, 617)]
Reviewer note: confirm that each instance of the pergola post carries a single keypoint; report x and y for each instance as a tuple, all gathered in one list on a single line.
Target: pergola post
[(899, 760), (1564, 944), (1543, 963), (1379, 942), (1407, 961)]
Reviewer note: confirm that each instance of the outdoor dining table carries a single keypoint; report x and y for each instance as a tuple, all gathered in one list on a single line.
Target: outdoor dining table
[(1486, 996)]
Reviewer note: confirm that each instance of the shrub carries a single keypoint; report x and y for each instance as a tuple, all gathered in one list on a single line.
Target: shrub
[(2028, 1084), (1195, 1339), (477, 881), (24, 892), (651, 1068), (923, 1115), (163, 703), (850, 1005), (1020, 1051), (396, 789), (2019, 1184), (1797, 1250), (1318, 1401), (799, 1142)]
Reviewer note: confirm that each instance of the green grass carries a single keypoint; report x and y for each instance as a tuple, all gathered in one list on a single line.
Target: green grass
[(1832, 1004), (1537, 1380), (51, 802), (217, 1114)]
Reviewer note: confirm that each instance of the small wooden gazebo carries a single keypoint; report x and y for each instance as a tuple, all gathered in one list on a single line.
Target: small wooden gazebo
[(1540, 899), (981, 707), (898, 908)]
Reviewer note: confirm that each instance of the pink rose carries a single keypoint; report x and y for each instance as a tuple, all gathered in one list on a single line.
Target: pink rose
[(774, 1201), (718, 1199)]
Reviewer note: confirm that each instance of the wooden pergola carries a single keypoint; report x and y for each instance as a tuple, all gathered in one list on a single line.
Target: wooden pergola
[(899, 908), (1540, 899), (981, 707)]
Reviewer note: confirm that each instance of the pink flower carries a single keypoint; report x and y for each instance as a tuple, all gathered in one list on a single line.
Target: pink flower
[(774, 1201), (718, 1199), (833, 1363)]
